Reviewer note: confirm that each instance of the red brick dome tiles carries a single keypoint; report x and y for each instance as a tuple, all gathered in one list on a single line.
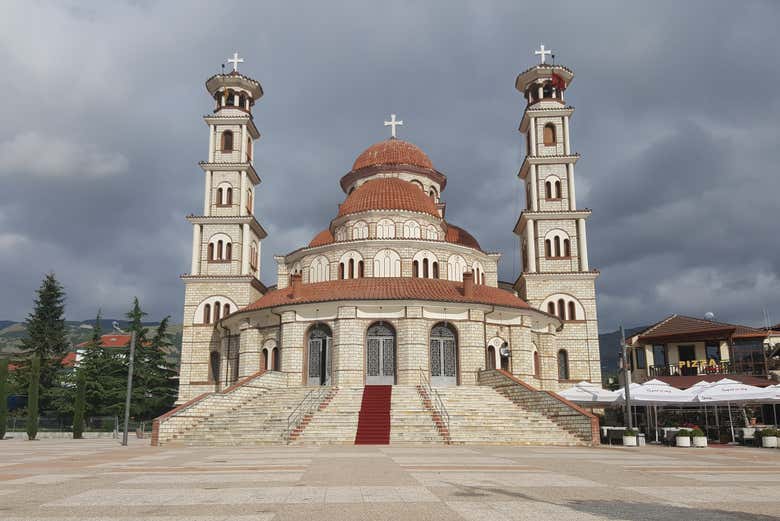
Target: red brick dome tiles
[(388, 193), (324, 237), (392, 152), (460, 236)]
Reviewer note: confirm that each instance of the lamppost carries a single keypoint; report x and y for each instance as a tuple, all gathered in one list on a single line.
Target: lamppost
[(624, 354), (129, 380)]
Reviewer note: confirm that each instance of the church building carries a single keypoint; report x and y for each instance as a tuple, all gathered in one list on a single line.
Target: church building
[(390, 292)]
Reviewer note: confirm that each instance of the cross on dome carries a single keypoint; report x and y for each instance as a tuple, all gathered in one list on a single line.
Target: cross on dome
[(392, 124), (542, 52), (235, 60)]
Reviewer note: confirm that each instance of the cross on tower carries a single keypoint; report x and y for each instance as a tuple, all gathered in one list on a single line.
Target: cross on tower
[(542, 52), (235, 60), (392, 124)]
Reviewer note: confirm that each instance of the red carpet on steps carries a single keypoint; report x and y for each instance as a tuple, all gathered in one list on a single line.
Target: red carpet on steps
[(374, 420)]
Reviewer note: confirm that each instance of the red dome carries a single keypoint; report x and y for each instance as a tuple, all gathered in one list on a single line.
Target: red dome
[(392, 152), (460, 236), (324, 237), (388, 193)]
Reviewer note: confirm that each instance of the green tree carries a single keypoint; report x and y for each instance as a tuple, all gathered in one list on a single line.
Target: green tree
[(46, 336), (3, 396), (32, 397), (105, 374), (78, 412)]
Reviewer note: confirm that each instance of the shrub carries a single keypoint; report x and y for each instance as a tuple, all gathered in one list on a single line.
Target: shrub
[(629, 432), (682, 433), (767, 432), (697, 433)]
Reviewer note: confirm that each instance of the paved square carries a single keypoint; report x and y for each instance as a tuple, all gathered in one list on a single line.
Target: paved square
[(91, 480)]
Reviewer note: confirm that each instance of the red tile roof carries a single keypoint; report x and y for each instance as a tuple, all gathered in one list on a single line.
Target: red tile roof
[(110, 340), (392, 152), (684, 382), (388, 288), (681, 326), (388, 193), (458, 235), (324, 237)]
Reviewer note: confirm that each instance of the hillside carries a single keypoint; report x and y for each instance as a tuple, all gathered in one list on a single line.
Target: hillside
[(609, 346)]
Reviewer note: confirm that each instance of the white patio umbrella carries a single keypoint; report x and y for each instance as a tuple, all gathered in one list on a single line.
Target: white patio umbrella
[(730, 391), (656, 392), (588, 393)]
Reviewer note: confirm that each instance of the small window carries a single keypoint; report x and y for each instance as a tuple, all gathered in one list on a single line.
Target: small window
[(561, 309), (547, 90), (219, 196), (563, 365), (249, 149), (231, 99), (659, 355), (219, 250), (227, 141), (641, 362), (217, 311), (211, 251), (547, 248), (566, 248), (226, 310), (229, 196), (557, 242), (548, 190), (435, 270), (242, 100), (549, 135), (551, 308), (712, 350), (228, 251), (207, 314), (572, 311), (415, 269), (558, 192), (536, 363), (360, 269)]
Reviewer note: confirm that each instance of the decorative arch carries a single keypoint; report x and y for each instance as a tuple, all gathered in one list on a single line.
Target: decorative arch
[(493, 357), (444, 355), (431, 233), (479, 272), (433, 194), (411, 230), (385, 229), (296, 268), (360, 230), (212, 309), (418, 184), (220, 247), (319, 269), (341, 234), (564, 306), (351, 266), (425, 265), (557, 244), (387, 263), (456, 267), (266, 354), (552, 187), (224, 194)]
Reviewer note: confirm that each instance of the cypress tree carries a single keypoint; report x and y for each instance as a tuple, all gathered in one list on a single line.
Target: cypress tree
[(158, 374), (32, 398), (3, 396), (78, 408), (105, 375)]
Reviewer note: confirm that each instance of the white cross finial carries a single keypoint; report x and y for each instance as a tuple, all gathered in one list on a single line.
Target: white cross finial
[(542, 52), (393, 123), (235, 60)]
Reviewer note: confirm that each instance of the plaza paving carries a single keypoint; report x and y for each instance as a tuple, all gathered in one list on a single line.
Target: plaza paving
[(98, 479)]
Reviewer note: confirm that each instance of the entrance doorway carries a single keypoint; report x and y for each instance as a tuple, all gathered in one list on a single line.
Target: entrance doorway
[(687, 353), (319, 353), (444, 356), (380, 354)]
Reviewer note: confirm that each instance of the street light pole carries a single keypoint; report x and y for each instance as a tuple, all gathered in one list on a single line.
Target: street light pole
[(627, 373), (129, 382)]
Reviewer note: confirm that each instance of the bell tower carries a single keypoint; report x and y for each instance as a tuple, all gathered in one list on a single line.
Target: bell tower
[(556, 276), (225, 269)]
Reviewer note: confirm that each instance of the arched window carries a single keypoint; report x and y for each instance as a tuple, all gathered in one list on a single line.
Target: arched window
[(219, 196), (456, 266), (351, 268), (536, 363), (561, 309), (411, 230), (228, 196), (219, 250), (211, 251), (341, 271), (547, 248), (341, 233), (319, 271), (225, 310), (349, 265), (490, 362), (387, 263), (361, 273), (435, 270), (264, 360), (385, 229), (558, 192), (433, 194), (572, 310), (214, 367), (479, 272), (276, 359), (227, 141), (249, 149), (230, 99), (249, 201), (431, 234), (425, 268), (229, 251), (557, 242), (551, 308), (549, 134), (548, 190), (423, 264), (547, 90), (415, 268), (207, 314), (444, 355), (566, 248), (217, 311), (563, 365), (360, 230), (242, 100)]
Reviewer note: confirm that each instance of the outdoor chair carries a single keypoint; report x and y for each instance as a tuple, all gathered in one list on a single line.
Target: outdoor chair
[(615, 435)]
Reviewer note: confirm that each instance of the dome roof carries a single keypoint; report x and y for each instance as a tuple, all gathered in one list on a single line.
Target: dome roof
[(392, 152), (388, 193), (460, 236), (324, 237)]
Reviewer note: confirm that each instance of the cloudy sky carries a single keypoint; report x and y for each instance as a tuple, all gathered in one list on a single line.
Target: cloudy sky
[(676, 121)]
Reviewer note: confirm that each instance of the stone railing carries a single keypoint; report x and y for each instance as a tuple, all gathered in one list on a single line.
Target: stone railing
[(562, 412), (188, 415)]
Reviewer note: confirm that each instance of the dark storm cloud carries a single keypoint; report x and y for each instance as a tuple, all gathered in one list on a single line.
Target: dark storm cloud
[(676, 122)]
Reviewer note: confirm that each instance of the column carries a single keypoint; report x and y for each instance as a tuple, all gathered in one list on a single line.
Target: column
[(212, 141), (570, 185), (207, 195), (583, 242), (534, 189), (532, 134), (244, 151), (541, 92), (530, 241), (566, 145), (196, 248), (259, 256), (242, 204), (245, 249)]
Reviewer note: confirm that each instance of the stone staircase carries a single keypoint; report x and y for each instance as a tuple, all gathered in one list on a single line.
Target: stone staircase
[(481, 415), (260, 421), (410, 420), (335, 424)]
